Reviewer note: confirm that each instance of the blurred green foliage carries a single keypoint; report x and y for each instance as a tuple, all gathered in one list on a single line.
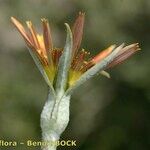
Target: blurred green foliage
[(106, 114)]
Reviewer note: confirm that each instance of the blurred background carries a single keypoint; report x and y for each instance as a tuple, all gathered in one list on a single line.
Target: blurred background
[(106, 114)]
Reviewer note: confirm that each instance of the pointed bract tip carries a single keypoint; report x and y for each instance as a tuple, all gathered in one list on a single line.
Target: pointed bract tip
[(67, 26), (69, 32)]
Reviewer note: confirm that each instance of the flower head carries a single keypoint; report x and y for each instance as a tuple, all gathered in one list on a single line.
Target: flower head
[(79, 63)]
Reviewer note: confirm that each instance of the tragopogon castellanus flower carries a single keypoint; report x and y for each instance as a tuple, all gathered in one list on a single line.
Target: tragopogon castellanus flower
[(64, 69)]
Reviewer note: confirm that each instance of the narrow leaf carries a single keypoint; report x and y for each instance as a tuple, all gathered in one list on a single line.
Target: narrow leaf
[(64, 63), (95, 69)]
